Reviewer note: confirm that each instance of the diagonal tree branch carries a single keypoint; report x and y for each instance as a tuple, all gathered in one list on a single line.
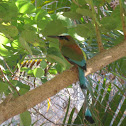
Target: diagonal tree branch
[(50, 88)]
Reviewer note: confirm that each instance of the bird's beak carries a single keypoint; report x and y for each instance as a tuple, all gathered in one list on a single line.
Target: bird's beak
[(51, 36)]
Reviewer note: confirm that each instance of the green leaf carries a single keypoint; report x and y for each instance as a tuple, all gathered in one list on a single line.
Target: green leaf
[(89, 87), (30, 36), (3, 87), (72, 15), (54, 51), (42, 18), (52, 71), (89, 1), (25, 6), (70, 86), (53, 43), (38, 72), (85, 30), (84, 12), (53, 58), (121, 112), (109, 23), (43, 64), (9, 30), (54, 28), (25, 118), (102, 90), (3, 41), (13, 58), (120, 90), (99, 3), (66, 112), (73, 7), (82, 3), (96, 89), (8, 11), (113, 105), (44, 79), (25, 45), (54, 55), (23, 88), (25, 69), (59, 68), (67, 22), (80, 117), (71, 116), (30, 72), (119, 76), (14, 82)]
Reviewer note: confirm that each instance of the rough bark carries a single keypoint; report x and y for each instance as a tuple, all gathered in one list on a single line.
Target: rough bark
[(50, 88)]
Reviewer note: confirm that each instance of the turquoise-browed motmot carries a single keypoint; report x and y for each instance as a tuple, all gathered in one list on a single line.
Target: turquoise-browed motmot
[(73, 53)]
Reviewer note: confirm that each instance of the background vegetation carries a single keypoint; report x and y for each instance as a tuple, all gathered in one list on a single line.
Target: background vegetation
[(28, 58)]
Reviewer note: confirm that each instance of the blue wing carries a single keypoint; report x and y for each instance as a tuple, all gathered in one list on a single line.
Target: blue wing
[(81, 63), (81, 67)]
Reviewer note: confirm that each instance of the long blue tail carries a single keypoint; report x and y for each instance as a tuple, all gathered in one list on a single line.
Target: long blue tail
[(88, 116), (82, 80)]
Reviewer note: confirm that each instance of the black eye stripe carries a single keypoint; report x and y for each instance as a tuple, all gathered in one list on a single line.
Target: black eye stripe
[(63, 37)]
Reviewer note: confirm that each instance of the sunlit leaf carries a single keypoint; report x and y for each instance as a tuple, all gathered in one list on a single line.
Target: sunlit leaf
[(25, 6), (25, 118), (38, 72), (52, 71)]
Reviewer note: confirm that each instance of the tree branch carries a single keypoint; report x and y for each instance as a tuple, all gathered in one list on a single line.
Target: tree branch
[(63, 80)]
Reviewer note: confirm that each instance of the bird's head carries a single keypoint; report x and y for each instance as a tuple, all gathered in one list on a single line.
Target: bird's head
[(64, 39)]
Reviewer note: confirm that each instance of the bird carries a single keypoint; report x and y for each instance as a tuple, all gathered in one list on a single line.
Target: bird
[(74, 54)]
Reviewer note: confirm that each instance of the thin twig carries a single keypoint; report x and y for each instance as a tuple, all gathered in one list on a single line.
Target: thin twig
[(44, 116), (98, 34), (122, 14), (9, 82), (6, 64), (77, 3)]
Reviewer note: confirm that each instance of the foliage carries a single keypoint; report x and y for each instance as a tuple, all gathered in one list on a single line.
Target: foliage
[(25, 49)]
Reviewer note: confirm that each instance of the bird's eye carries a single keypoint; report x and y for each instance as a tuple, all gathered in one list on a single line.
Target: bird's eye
[(63, 37)]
